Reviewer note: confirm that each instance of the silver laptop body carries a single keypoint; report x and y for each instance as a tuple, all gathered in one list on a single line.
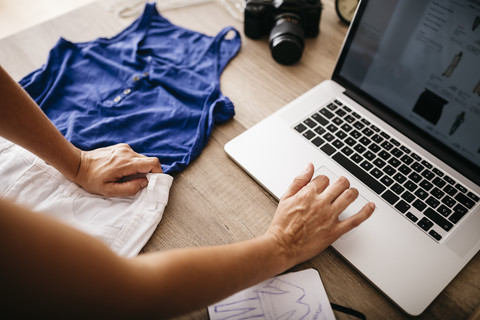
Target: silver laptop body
[(401, 120)]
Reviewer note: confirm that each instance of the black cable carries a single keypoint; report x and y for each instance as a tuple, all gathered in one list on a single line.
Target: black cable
[(349, 311)]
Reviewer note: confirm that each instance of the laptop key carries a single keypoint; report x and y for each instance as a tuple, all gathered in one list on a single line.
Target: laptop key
[(317, 117), (449, 202), (386, 180), (328, 136), (331, 106), (425, 224), (415, 156), (461, 188), (417, 167), (346, 127), (432, 202), (407, 159), (350, 141), (438, 219), (390, 197), (450, 190), (347, 151), (308, 134), (357, 158), (366, 165), (415, 177), (439, 182), (376, 173), (387, 145), (458, 212), (427, 164), (300, 127), (309, 122), (464, 200), (320, 130), (398, 189), (426, 185), (473, 196), (326, 113), (437, 193), (444, 211), (377, 138), (358, 172), (404, 169), (349, 119), (370, 156), (435, 235), (402, 206), (399, 177), (384, 155), (318, 141), (419, 205), (407, 196), (394, 162), (338, 144), (411, 216), (422, 194), (449, 180), (328, 149)]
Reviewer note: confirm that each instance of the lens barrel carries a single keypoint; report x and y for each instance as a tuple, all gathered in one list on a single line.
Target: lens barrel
[(287, 39)]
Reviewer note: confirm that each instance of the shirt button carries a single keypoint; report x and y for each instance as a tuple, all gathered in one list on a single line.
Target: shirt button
[(127, 91), (136, 78), (117, 98), (145, 74)]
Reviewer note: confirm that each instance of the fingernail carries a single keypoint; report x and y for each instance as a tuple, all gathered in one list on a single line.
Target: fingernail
[(144, 184), (372, 206), (307, 168)]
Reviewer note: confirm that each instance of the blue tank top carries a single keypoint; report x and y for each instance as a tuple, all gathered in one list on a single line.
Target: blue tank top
[(155, 86)]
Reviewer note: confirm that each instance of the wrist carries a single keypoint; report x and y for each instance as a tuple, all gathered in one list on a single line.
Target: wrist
[(280, 254), (70, 167)]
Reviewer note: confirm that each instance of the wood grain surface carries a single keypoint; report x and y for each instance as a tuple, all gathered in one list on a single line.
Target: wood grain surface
[(213, 201)]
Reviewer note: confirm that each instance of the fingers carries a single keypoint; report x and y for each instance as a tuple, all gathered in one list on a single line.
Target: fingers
[(300, 181), (355, 220), (141, 165), (336, 189), (128, 188), (137, 163)]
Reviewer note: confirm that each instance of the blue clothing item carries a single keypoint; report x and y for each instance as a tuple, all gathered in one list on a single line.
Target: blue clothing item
[(155, 86)]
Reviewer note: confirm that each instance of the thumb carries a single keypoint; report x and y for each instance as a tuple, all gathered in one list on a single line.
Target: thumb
[(300, 181)]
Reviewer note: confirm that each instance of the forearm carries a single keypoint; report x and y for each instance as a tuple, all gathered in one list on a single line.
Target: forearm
[(24, 123), (188, 279), (55, 269)]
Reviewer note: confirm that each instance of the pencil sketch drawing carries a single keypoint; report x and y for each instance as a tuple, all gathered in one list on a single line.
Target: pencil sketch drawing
[(273, 299)]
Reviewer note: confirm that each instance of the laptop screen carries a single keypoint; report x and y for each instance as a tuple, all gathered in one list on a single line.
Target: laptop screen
[(420, 60)]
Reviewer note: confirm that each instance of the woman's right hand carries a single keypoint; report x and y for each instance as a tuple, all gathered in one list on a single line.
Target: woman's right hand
[(306, 221)]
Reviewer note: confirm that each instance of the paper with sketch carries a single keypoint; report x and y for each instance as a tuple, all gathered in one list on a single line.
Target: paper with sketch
[(292, 296)]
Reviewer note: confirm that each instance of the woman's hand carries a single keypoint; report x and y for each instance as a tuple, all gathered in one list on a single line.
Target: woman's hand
[(114, 171), (306, 221)]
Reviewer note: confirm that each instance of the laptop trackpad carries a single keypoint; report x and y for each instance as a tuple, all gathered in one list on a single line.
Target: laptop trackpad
[(353, 208)]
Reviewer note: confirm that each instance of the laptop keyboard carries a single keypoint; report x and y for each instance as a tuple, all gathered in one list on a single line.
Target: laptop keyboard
[(424, 194)]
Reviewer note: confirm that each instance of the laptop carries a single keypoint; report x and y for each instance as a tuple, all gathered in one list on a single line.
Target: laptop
[(400, 118)]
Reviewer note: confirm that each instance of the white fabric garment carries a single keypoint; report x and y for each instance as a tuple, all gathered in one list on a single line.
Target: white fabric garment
[(124, 224)]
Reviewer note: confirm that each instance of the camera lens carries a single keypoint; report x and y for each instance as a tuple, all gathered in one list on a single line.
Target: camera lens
[(287, 39)]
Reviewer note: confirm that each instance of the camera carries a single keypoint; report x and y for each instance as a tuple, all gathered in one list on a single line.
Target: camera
[(287, 21)]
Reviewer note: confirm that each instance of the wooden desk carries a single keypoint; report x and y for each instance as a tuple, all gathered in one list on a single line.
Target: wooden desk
[(213, 201)]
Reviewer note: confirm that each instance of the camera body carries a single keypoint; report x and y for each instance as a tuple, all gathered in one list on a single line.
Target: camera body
[(260, 15)]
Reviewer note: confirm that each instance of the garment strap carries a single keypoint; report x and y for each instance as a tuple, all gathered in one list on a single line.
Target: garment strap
[(228, 46)]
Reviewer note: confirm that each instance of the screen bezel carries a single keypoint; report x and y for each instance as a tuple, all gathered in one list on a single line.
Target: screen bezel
[(448, 155)]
